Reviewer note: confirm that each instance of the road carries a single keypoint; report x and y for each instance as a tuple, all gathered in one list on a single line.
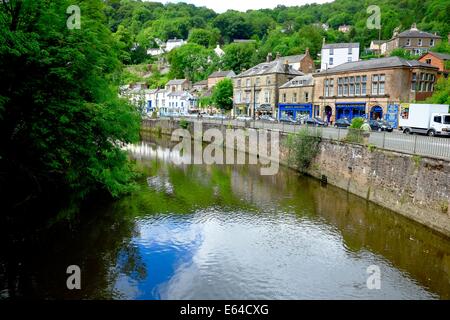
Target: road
[(436, 147)]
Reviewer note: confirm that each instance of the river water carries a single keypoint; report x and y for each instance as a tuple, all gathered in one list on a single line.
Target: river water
[(226, 232)]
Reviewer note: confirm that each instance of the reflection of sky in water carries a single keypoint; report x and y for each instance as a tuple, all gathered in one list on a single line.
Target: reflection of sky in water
[(209, 256)]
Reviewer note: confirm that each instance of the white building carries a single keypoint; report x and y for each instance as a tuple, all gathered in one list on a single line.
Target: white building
[(335, 54), (174, 43), (220, 53), (178, 103)]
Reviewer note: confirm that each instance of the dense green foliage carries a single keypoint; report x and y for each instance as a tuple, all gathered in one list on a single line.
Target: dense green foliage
[(223, 94), (61, 120), (303, 148), (288, 30)]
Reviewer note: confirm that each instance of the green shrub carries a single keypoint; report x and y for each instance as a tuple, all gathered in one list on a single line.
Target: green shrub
[(184, 124), (357, 123), (303, 147)]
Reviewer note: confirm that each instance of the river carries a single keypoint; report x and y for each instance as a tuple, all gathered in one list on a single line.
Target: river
[(226, 232)]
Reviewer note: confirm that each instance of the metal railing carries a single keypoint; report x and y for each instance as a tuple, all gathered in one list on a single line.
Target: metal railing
[(436, 147)]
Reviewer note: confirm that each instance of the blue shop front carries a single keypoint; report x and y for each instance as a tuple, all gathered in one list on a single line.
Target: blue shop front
[(350, 110), (295, 110)]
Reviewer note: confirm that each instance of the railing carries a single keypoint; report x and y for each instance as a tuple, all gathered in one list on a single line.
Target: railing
[(436, 147)]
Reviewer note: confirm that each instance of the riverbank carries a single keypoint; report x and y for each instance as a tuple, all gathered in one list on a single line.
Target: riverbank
[(413, 186)]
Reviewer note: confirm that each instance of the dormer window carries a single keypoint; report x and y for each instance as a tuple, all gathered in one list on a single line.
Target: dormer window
[(408, 42)]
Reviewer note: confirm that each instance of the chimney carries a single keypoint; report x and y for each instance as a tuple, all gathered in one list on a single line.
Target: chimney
[(307, 52), (414, 27), (278, 56), (286, 66), (323, 42), (269, 57)]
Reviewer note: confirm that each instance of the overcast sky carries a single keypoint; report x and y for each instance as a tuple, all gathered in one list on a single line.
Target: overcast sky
[(243, 5)]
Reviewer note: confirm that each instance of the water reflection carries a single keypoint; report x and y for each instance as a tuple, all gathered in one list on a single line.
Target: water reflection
[(226, 232)]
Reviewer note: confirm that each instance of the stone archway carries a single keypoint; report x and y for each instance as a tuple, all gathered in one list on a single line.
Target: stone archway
[(328, 113)]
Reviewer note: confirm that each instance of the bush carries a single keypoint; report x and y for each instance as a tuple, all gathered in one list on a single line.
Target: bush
[(357, 123), (303, 148), (184, 124)]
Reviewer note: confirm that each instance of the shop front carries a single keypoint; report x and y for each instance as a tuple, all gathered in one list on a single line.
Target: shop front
[(295, 111), (350, 110)]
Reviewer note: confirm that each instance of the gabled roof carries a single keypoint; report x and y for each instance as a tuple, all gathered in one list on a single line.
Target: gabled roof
[(292, 59), (222, 74), (442, 56), (300, 81), (389, 62), (341, 45), (276, 66), (175, 82)]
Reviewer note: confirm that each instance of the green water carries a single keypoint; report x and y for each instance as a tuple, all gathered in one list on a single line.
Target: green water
[(226, 232)]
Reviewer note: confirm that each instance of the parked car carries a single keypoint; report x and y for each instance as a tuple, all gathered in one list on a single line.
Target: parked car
[(342, 123), (220, 116), (287, 119), (267, 118), (380, 125), (317, 122)]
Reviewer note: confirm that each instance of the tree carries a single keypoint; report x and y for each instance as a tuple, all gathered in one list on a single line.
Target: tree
[(441, 93), (191, 61), (204, 37), (223, 94), (61, 121), (239, 56), (402, 53)]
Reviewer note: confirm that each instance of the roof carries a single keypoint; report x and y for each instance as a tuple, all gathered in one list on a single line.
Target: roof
[(276, 66), (243, 40), (200, 83), (379, 41), (175, 40), (390, 62), (222, 74), (300, 81), (292, 59), (341, 45), (415, 33), (442, 56), (175, 82), (181, 94)]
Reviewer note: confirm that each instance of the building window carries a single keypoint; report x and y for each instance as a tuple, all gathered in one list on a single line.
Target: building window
[(331, 51), (329, 88), (331, 61), (408, 42), (363, 85), (294, 97), (267, 97), (378, 86), (340, 87), (428, 61), (239, 83), (431, 42), (306, 96), (350, 50), (284, 97), (258, 81), (268, 82), (420, 43), (349, 59), (248, 83), (414, 82)]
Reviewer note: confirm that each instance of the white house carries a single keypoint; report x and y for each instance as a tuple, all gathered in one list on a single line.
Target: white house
[(178, 103), (335, 54), (174, 43), (219, 52)]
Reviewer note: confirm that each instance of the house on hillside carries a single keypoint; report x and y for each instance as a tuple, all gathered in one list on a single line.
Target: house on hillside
[(178, 85), (217, 76), (413, 40), (173, 44)]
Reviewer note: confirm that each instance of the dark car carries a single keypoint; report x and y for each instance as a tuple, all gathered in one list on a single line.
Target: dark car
[(380, 125), (288, 120), (342, 123), (317, 122)]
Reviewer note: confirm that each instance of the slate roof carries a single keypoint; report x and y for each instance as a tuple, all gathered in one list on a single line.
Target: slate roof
[(264, 68), (299, 81), (341, 45), (414, 33), (201, 83), (390, 62), (176, 82), (442, 56), (292, 59), (222, 74)]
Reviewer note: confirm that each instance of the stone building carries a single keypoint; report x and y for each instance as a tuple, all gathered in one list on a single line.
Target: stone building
[(413, 40), (217, 76), (178, 85), (371, 88), (296, 98), (256, 90)]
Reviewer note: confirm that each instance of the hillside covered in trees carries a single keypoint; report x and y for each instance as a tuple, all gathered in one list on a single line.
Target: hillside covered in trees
[(288, 30)]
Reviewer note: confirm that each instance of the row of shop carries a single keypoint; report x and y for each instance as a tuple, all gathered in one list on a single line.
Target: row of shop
[(341, 110)]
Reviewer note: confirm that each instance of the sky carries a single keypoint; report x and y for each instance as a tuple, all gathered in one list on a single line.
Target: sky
[(243, 5)]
